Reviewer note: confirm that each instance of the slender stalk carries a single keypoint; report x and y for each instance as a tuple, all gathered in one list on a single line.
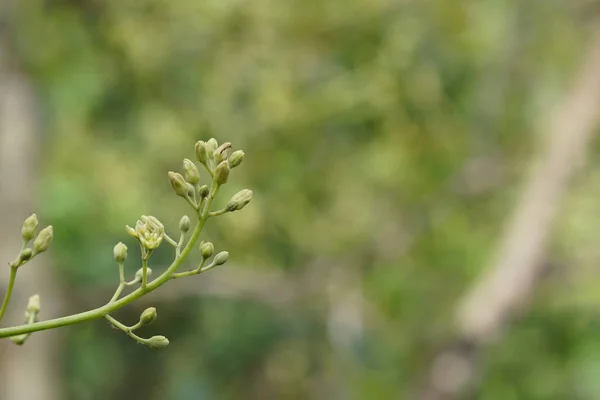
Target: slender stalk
[(144, 271), (194, 271), (9, 290), (127, 329), (217, 213), (118, 292)]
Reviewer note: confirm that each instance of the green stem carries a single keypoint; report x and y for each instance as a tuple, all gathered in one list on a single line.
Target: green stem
[(127, 329), (144, 271), (118, 292), (9, 290), (170, 240), (194, 271), (217, 213)]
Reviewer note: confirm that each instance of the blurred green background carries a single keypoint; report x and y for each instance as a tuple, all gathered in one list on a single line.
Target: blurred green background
[(385, 143)]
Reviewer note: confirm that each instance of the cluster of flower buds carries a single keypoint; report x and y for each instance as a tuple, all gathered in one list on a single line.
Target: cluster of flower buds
[(41, 242), (218, 160)]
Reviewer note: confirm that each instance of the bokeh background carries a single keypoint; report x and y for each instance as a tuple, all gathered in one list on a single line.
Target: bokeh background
[(386, 143)]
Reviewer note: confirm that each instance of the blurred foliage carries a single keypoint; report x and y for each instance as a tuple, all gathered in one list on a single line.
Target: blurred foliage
[(384, 139)]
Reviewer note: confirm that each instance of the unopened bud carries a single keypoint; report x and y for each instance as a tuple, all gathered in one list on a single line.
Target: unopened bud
[(191, 171), (222, 152), (211, 145), (180, 186), (204, 191), (29, 227), (148, 316), (19, 340), (184, 224), (222, 173), (33, 306), (131, 231), (43, 240), (239, 200), (140, 272), (221, 258), (201, 152), (207, 249), (236, 158), (157, 342), (120, 252), (25, 255)]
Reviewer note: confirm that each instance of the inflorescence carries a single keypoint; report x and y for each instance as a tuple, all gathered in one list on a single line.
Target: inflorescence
[(218, 161)]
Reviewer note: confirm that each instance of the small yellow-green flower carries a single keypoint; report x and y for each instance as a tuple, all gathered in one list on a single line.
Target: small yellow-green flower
[(149, 231)]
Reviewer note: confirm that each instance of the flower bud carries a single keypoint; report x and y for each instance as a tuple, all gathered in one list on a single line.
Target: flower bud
[(148, 316), (221, 258), (222, 173), (140, 272), (43, 240), (19, 340), (191, 172), (204, 191), (211, 145), (201, 152), (25, 255), (29, 227), (120, 252), (131, 231), (236, 158), (207, 249), (180, 186), (222, 152), (239, 200), (33, 306), (184, 224), (157, 342)]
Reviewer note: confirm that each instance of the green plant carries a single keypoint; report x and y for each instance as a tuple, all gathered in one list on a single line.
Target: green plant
[(150, 233)]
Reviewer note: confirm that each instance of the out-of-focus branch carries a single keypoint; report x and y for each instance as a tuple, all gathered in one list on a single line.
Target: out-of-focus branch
[(509, 280)]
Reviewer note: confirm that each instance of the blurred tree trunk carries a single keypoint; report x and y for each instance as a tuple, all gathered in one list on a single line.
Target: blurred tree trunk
[(27, 372), (506, 285)]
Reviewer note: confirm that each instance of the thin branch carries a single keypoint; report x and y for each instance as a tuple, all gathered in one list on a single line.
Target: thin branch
[(509, 280)]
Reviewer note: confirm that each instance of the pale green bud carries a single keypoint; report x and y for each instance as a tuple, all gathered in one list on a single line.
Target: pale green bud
[(222, 152), (33, 306), (178, 183), (221, 258), (201, 152), (236, 158), (43, 240), (192, 175), (131, 231), (140, 272), (157, 342), (211, 145), (29, 227), (148, 316), (207, 249), (204, 191), (239, 200), (222, 173), (120, 252), (184, 224), (19, 340), (25, 255)]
